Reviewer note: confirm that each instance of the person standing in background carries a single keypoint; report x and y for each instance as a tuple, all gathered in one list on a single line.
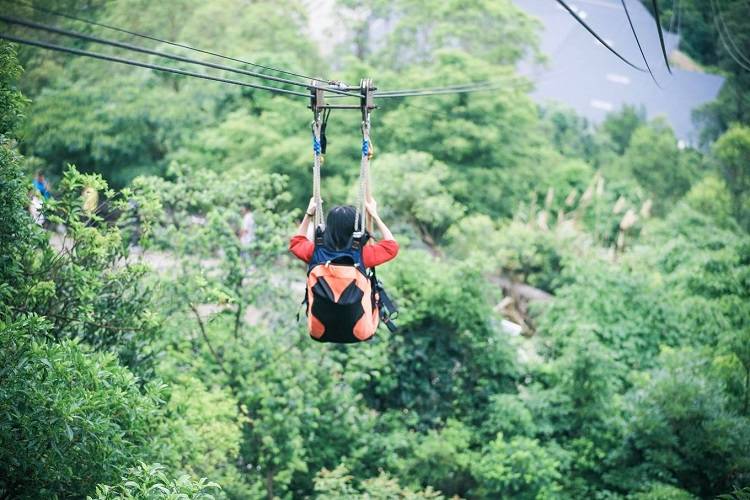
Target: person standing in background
[(42, 185), (90, 200), (246, 233), (35, 207)]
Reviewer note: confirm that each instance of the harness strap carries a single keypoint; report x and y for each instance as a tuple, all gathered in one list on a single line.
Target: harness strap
[(317, 151), (363, 192), (386, 307)]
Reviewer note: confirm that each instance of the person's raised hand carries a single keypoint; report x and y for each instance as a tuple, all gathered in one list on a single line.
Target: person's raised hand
[(372, 208), (311, 207)]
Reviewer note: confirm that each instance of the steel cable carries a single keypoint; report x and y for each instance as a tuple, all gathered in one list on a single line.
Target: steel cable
[(156, 67), (135, 48), (161, 40)]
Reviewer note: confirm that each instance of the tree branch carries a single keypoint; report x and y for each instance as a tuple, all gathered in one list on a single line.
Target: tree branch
[(202, 328)]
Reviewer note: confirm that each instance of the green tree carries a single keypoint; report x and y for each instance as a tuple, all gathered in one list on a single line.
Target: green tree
[(71, 418), (495, 31), (443, 460), (154, 482), (427, 204), (450, 357), (657, 164), (82, 282), (338, 483), (732, 151), (518, 468), (621, 125), (711, 196), (12, 102), (680, 429)]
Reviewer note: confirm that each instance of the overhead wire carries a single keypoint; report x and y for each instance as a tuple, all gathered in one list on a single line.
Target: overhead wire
[(161, 40), (468, 90), (479, 87), (595, 35), (450, 89), (436, 92), (632, 28), (471, 87), (143, 50), (445, 87), (493, 85), (156, 67), (661, 34), (716, 7), (673, 17)]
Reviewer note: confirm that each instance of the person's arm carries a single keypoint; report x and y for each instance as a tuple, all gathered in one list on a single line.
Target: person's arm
[(385, 249), (300, 244), (307, 219), (372, 210)]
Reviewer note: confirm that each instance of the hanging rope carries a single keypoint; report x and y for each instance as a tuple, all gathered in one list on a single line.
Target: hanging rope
[(364, 178), (316, 126)]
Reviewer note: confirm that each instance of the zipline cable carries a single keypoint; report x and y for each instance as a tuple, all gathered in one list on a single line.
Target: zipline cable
[(518, 81), (161, 40), (446, 87), (717, 8), (510, 80), (723, 40), (136, 48), (130, 62), (673, 18), (438, 92), (601, 40), (444, 91), (632, 28), (661, 34)]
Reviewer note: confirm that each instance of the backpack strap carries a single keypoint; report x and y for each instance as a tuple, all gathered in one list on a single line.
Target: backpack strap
[(353, 252), (359, 240), (301, 305), (386, 307)]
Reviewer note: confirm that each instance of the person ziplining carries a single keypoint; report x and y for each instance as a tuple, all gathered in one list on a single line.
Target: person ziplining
[(344, 300), (339, 307)]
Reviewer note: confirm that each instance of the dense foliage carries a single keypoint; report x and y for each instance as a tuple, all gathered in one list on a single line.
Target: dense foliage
[(148, 352)]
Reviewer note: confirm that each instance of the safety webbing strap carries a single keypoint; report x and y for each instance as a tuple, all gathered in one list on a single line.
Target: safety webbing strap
[(386, 307), (364, 178), (317, 151)]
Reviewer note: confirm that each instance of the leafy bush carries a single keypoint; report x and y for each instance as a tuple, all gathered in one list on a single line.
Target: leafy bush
[(442, 460), (71, 418), (659, 166), (201, 431), (152, 482), (12, 102), (427, 204), (628, 312), (680, 429), (711, 197), (519, 468), (338, 483), (732, 150), (449, 356)]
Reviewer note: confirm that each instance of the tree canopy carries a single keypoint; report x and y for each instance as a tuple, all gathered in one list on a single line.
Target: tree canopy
[(574, 299)]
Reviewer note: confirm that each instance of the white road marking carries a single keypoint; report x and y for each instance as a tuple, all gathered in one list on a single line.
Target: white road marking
[(603, 105), (621, 79)]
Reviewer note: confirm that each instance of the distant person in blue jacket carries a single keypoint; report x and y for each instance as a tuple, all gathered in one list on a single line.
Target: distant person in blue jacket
[(42, 185)]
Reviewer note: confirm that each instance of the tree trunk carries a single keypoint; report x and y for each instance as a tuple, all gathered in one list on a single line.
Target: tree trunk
[(747, 390), (269, 485)]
